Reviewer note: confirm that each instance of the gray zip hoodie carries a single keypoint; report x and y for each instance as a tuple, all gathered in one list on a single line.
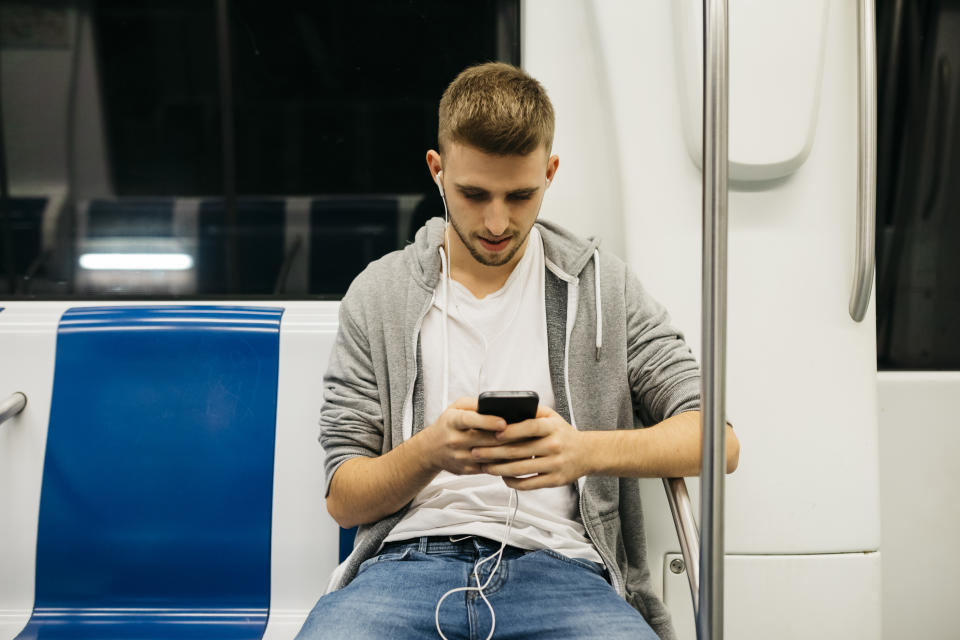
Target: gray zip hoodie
[(615, 363)]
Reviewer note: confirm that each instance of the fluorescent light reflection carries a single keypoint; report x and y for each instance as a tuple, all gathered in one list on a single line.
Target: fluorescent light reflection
[(136, 261)]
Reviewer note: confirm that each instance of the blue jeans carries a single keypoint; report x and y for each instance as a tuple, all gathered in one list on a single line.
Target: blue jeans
[(535, 594)]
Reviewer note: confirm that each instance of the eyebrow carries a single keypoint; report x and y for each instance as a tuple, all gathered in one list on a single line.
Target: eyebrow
[(526, 191)]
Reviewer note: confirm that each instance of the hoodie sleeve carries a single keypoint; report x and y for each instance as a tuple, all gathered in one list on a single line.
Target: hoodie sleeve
[(351, 419), (664, 375)]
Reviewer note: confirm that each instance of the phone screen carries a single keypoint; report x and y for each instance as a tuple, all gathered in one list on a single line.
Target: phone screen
[(512, 406)]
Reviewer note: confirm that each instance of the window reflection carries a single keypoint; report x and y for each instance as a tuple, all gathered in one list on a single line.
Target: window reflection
[(918, 200), (118, 175)]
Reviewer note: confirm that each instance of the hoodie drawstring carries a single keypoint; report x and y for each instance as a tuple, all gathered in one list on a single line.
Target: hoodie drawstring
[(446, 343), (596, 285), (446, 298)]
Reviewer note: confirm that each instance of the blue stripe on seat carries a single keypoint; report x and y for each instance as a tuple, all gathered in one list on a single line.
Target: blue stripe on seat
[(347, 538), (155, 511)]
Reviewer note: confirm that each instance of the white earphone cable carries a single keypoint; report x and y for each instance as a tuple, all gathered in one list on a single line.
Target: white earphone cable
[(445, 264), (514, 502), (512, 506)]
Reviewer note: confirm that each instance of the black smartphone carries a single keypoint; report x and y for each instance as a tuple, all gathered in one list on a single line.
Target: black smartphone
[(512, 406)]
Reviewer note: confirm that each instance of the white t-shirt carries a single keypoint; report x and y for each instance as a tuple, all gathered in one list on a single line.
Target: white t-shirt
[(498, 343)]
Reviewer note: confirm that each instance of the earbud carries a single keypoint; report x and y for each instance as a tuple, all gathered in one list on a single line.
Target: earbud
[(440, 184)]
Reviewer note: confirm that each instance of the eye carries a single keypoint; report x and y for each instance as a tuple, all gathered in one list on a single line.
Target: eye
[(520, 196), (476, 197)]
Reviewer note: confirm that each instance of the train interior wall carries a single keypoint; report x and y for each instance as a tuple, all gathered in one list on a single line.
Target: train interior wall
[(840, 518)]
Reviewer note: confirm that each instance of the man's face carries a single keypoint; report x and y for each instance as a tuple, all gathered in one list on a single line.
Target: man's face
[(493, 200)]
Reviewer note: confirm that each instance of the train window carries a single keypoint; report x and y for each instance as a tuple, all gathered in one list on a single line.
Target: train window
[(228, 148), (918, 197)]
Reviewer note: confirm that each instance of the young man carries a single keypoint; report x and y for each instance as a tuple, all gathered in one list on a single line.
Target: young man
[(496, 300)]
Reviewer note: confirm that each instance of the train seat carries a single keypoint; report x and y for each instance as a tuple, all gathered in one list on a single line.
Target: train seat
[(165, 480), (157, 489)]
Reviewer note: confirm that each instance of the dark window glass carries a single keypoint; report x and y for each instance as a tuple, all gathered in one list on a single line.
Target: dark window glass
[(158, 74), (275, 157), (918, 195)]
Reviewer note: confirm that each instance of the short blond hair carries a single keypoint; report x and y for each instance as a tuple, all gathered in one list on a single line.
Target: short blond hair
[(496, 108)]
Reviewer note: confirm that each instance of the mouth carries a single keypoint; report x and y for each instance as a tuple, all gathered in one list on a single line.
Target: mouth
[(498, 245)]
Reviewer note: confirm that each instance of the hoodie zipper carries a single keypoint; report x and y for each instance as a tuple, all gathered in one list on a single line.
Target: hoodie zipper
[(572, 284)]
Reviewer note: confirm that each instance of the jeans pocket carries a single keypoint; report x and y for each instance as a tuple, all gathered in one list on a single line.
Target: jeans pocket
[(577, 562), (385, 557)]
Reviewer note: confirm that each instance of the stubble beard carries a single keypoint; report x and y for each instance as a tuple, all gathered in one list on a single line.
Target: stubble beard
[(498, 261)]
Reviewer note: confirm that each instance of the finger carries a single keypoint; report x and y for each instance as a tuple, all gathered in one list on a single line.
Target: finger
[(506, 452), (465, 403), (544, 411), (463, 464), (535, 428), (466, 419), (518, 467), (479, 438), (470, 470), (541, 481)]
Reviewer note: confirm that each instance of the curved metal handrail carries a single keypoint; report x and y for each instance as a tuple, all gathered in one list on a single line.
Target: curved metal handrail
[(866, 160), (12, 406), (687, 533)]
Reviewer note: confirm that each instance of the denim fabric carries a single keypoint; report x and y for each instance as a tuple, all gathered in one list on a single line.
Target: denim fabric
[(535, 595)]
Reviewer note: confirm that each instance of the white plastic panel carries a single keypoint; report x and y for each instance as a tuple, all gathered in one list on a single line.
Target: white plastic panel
[(775, 65), (801, 383), (801, 374), (28, 338), (829, 597), (920, 483), (562, 48), (305, 542)]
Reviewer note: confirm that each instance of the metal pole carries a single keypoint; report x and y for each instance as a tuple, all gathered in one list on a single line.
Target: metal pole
[(714, 314)]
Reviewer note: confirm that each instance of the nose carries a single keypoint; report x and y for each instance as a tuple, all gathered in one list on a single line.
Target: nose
[(497, 218)]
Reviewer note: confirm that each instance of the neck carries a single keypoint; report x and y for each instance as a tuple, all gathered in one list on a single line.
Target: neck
[(480, 279)]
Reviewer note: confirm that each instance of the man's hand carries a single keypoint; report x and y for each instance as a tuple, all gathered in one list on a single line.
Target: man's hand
[(366, 489), (546, 446), (457, 431)]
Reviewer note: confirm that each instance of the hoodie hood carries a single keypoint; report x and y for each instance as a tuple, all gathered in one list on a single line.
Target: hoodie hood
[(568, 252), (563, 251)]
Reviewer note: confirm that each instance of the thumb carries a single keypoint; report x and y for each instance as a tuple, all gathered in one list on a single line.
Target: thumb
[(465, 404), (546, 412)]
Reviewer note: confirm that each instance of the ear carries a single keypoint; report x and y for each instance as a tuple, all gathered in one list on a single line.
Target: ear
[(434, 164), (553, 163)]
